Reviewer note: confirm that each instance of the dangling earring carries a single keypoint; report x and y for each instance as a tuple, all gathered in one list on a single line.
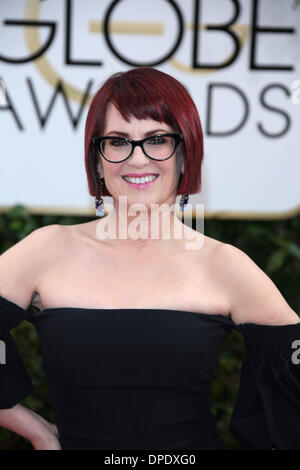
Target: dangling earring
[(184, 199), (99, 203)]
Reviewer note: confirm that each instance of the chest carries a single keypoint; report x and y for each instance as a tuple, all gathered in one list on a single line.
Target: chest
[(175, 282)]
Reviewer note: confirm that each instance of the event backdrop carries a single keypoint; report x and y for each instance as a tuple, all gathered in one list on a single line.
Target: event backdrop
[(239, 60)]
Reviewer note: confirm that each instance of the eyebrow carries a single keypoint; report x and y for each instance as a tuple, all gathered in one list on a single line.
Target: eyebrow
[(124, 134)]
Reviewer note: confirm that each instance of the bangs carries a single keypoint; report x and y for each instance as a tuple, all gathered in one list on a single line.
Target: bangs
[(131, 98)]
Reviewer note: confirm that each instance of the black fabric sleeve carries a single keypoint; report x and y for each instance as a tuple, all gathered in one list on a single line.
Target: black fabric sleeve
[(266, 413), (15, 381)]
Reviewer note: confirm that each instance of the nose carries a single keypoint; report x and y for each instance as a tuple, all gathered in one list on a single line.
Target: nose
[(138, 156)]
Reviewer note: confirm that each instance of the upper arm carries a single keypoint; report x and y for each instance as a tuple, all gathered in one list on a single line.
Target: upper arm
[(22, 264), (253, 296)]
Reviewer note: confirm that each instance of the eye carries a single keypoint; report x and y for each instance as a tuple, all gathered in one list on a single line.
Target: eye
[(156, 140), (117, 143)]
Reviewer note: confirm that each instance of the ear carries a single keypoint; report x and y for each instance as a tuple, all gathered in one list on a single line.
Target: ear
[(100, 168), (182, 166)]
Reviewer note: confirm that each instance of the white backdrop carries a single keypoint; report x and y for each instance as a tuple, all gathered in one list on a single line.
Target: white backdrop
[(249, 111)]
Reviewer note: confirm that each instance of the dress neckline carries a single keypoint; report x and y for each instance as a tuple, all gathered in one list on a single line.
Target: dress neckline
[(56, 311), (226, 319), (52, 311)]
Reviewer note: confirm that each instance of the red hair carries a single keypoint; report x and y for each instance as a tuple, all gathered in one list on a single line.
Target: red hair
[(146, 92)]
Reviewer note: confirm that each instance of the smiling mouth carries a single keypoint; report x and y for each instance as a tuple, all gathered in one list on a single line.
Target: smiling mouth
[(142, 180)]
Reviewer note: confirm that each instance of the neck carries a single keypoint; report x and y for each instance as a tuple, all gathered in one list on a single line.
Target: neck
[(142, 227)]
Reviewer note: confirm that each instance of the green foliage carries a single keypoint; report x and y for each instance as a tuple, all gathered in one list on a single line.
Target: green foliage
[(273, 245)]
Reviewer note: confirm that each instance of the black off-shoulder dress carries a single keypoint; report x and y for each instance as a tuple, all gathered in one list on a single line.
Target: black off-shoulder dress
[(141, 378)]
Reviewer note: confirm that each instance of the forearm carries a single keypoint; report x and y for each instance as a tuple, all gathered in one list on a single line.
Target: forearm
[(22, 421)]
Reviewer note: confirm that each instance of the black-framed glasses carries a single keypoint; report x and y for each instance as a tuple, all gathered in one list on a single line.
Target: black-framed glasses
[(157, 147)]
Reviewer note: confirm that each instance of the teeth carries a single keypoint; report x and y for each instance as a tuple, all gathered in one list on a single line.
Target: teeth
[(144, 179)]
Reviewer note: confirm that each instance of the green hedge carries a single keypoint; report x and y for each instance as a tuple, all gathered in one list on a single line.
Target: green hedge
[(273, 245)]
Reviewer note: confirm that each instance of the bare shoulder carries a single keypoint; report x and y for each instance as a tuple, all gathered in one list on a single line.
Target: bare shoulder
[(210, 253), (21, 265), (30, 244), (212, 246), (253, 296)]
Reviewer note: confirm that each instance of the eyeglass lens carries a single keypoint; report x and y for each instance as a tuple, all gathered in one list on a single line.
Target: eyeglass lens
[(116, 149)]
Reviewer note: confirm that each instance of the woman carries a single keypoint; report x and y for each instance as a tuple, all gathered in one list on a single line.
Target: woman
[(131, 327)]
